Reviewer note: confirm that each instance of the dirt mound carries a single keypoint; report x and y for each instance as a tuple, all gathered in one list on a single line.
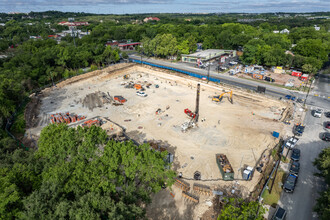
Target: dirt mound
[(96, 100)]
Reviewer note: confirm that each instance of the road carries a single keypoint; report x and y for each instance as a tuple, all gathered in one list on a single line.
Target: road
[(299, 205), (320, 101), (322, 85)]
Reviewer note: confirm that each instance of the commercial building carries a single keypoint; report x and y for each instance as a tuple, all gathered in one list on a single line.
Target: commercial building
[(207, 55)]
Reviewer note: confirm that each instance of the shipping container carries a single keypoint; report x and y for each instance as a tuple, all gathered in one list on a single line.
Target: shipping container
[(225, 167)]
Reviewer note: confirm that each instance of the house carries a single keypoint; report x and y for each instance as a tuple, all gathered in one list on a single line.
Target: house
[(317, 28), (128, 46), (151, 19), (113, 43), (2, 24), (77, 23), (285, 31), (276, 31), (289, 52)]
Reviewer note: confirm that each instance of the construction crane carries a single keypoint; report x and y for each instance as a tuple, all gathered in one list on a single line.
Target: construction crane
[(220, 97), (194, 115)]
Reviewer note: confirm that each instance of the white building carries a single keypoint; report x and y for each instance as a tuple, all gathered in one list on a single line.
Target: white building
[(285, 31)]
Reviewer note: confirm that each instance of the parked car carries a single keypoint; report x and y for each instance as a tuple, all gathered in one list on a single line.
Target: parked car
[(327, 125), (317, 113), (326, 136), (298, 129), (280, 214), (143, 94), (299, 100), (290, 183), (295, 156), (294, 168), (290, 97), (327, 114), (291, 142)]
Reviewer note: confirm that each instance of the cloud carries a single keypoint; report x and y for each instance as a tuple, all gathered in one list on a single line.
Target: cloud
[(78, 2), (148, 6)]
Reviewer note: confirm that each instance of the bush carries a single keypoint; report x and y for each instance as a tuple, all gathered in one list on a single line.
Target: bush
[(93, 67)]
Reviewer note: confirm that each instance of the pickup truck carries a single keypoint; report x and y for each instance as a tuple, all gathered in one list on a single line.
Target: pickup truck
[(291, 142), (280, 213), (298, 129), (290, 183)]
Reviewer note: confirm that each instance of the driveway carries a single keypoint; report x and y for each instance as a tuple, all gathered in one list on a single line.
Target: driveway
[(299, 205)]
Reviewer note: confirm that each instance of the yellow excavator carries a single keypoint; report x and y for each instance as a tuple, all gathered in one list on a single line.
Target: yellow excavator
[(220, 97)]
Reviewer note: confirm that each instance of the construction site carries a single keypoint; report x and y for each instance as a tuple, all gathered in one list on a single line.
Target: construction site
[(218, 137)]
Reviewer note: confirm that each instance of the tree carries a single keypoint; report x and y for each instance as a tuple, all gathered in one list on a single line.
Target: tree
[(322, 163), (237, 208), (308, 68), (312, 48), (81, 161)]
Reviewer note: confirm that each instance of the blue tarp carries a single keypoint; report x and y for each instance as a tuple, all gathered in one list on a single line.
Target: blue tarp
[(177, 70), (276, 134)]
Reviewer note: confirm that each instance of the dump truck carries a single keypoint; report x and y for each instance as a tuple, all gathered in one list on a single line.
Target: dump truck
[(225, 167)]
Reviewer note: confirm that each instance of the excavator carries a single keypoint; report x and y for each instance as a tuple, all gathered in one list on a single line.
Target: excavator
[(220, 97)]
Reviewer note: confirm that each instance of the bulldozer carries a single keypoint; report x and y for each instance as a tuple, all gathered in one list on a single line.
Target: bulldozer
[(127, 76), (220, 97)]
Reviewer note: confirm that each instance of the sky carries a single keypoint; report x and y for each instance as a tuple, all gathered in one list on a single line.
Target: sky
[(165, 6)]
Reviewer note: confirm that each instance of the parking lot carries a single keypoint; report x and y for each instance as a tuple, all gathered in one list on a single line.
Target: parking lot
[(299, 204)]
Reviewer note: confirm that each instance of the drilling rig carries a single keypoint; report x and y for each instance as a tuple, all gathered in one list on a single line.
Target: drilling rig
[(193, 115)]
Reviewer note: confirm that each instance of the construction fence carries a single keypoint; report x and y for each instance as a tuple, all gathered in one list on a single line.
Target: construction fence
[(176, 69)]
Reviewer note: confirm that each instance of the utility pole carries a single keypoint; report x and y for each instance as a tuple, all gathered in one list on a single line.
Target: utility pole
[(208, 69), (73, 35), (197, 102), (307, 92), (141, 54)]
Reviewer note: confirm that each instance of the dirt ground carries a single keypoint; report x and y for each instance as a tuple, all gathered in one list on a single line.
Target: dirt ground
[(242, 130), (280, 79)]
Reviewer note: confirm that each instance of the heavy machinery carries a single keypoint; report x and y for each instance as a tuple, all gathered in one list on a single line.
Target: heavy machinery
[(194, 115), (220, 97), (127, 76)]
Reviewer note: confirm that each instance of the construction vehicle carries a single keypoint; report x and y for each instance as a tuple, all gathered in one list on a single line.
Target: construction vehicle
[(127, 76), (220, 97), (190, 113), (194, 115), (137, 86)]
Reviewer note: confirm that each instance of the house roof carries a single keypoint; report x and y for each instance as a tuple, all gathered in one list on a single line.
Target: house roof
[(129, 44)]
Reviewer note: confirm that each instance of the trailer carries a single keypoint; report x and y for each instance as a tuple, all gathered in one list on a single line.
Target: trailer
[(225, 167)]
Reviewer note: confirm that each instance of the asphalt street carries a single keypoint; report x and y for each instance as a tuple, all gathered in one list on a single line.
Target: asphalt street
[(319, 101), (299, 204)]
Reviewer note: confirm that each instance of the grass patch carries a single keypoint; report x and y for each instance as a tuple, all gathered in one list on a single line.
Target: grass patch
[(272, 199)]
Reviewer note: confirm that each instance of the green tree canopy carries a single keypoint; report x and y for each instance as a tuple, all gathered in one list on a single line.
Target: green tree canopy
[(238, 209)]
